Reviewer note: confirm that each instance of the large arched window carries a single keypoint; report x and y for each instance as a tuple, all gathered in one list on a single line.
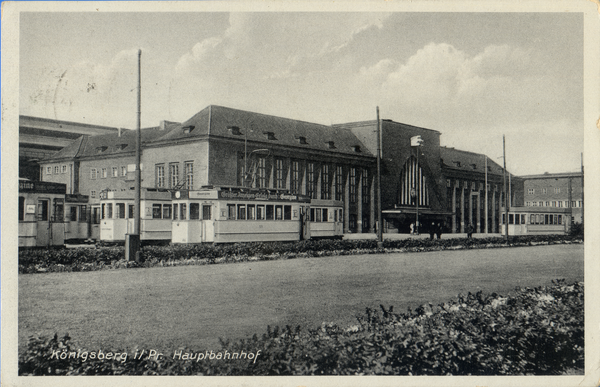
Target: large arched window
[(413, 184)]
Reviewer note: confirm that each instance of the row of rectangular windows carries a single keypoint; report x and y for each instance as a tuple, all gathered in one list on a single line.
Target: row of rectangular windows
[(555, 203), (57, 169), (172, 180), (533, 219), (531, 191), (311, 184), (102, 173)]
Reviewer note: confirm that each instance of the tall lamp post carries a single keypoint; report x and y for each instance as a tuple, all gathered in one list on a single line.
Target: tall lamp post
[(379, 218), (132, 241), (417, 142)]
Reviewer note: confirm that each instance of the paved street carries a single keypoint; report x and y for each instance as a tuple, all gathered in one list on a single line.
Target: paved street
[(195, 305)]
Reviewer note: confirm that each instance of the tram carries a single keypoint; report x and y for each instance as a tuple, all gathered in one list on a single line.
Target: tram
[(41, 213), (116, 215), (326, 219), (233, 214), (539, 221)]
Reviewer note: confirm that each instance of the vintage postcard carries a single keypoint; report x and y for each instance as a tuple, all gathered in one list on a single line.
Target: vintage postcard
[(300, 193)]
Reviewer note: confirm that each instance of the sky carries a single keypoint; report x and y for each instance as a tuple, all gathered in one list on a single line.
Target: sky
[(473, 77)]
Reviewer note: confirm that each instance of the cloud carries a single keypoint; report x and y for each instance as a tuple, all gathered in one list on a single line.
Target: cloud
[(440, 83)]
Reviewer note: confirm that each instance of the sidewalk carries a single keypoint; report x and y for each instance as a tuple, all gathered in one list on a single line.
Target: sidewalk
[(391, 236)]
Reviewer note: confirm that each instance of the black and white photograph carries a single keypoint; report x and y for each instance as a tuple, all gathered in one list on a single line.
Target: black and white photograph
[(270, 193)]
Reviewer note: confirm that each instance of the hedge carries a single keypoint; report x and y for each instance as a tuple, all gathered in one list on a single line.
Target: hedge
[(534, 331), (86, 259)]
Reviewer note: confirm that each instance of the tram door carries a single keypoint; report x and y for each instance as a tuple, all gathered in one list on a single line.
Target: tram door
[(304, 223), (208, 224), (94, 222), (43, 222)]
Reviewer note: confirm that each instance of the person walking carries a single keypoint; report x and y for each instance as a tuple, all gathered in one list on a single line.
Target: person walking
[(469, 231), (438, 231), (431, 230)]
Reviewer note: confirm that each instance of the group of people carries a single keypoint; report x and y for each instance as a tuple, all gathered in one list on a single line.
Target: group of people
[(436, 229)]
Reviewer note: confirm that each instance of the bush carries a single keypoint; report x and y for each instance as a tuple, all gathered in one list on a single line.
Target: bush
[(59, 260), (536, 331)]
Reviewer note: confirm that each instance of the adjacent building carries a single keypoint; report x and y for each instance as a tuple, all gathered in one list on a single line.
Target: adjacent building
[(40, 138), (221, 146)]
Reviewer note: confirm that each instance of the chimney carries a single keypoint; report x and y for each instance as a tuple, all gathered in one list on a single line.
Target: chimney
[(163, 125), (120, 131)]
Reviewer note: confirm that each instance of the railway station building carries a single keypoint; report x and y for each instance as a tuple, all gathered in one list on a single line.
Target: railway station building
[(221, 146)]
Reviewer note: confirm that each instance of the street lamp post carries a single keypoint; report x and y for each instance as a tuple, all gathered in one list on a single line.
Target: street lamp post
[(417, 142)]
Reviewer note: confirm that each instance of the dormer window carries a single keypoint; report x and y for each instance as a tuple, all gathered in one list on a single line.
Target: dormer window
[(331, 144), (356, 148), (235, 130), (270, 135), (301, 140), (122, 146), (456, 163), (188, 129), (101, 149)]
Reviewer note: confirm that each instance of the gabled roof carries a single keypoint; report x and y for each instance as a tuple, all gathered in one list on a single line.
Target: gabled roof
[(460, 160), (226, 122), (107, 144)]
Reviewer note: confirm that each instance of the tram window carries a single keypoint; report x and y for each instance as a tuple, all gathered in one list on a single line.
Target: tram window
[(206, 212), (73, 213), (231, 211), (523, 219), (156, 211), (251, 212), (531, 219), (559, 220), (182, 211), (546, 221), (95, 215), (517, 219), (121, 210), (241, 213), (511, 219), (194, 211), (260, 212), (130, 213), (109, 210), (325, 215), (269, 212), (82, 213), (21, 208), (287, 212), (312, 215), (103, 216), (175, 211), (278, 213), (59, 210), (318, 213), (335, 216), (43, 210), (166, 211)]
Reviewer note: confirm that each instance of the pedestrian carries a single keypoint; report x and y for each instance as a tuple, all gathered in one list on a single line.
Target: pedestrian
[(438, 231), (469, 231), (431, 230), (412, 228)]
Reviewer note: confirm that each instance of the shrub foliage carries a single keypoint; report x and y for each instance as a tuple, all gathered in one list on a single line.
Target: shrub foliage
[(534, 331), (59, 260)]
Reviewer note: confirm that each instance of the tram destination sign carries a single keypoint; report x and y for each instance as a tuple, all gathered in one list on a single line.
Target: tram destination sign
[(42, 187), (263, 196)]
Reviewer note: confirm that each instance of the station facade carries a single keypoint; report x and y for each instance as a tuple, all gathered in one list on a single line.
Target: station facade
[(221, 146)]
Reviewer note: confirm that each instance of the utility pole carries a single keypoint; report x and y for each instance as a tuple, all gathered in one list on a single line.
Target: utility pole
[(132, 241), (379, 218), (582, 201), (505, 191), (486, 195)]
